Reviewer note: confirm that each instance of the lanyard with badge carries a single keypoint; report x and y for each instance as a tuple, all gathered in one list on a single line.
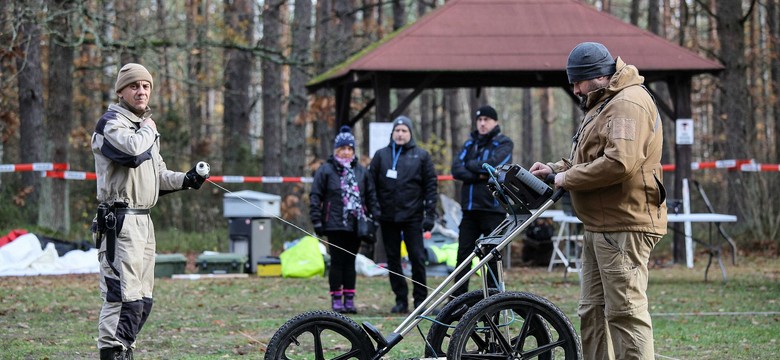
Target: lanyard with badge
[(393, 173)]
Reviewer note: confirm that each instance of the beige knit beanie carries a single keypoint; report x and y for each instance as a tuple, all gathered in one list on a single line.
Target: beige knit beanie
[(131, 73)]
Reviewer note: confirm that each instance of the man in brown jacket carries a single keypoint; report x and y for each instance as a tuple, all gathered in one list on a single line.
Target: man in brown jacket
[(614, 176)]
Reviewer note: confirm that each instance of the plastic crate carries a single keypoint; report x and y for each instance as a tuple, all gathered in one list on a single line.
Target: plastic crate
[(166, 265), (220, 263), (269, 266)]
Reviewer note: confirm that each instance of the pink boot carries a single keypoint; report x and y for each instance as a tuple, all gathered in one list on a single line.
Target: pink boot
[(349, 301), (336, 301)]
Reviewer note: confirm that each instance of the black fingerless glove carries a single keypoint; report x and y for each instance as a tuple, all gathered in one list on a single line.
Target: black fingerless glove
[(192, 180)]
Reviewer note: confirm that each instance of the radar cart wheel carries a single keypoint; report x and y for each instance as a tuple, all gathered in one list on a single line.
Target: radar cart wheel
[(320, 335), (514, 325)]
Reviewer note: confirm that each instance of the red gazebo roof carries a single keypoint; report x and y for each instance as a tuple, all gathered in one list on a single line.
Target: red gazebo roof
[(509, 43)]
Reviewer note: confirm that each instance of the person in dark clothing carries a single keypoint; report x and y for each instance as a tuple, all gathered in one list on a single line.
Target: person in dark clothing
[(481, 211), (342, 192), (406, 189)]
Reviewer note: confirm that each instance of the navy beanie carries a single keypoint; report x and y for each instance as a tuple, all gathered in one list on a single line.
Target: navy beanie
[(344, 138), (589, 60), (488, 111)]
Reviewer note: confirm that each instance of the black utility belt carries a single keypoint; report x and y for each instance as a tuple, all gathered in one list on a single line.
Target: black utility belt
[(128, 211), (120, 208)]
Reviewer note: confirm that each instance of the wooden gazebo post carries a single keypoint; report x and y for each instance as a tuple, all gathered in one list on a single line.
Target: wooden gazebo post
[(681, 90)]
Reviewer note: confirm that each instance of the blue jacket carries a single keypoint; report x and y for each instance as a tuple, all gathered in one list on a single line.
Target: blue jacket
[(495, 149)]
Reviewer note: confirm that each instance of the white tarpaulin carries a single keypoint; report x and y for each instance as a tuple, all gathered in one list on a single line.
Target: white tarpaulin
[(24, 257)]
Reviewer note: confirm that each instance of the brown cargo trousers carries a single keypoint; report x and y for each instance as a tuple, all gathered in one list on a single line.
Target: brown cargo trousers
[(127, 293), (615, 321)]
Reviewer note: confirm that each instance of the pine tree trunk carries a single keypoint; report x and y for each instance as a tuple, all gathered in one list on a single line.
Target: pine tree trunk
[(547, 115), (6, 67), (300, 55), (452, 105), (527, 132), (773, 16), (734, 88), (634, 13), (238, 74), (30, 87), (55, 214), (196, 62), (272, 93), (296, 110), (128, 25)]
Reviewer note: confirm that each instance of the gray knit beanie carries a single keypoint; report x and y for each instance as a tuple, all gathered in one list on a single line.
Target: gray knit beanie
[(131, 73), (589, 60), (403, 120)]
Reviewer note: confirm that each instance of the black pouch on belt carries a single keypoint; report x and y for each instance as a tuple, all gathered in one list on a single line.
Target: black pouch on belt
[(114, 222), (111, 232), (99, 225)]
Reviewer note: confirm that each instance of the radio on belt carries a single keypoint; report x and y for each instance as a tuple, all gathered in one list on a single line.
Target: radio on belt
[(523, 190)]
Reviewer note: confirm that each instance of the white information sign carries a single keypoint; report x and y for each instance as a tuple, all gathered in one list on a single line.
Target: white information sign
[(379, 136), (684, 131)]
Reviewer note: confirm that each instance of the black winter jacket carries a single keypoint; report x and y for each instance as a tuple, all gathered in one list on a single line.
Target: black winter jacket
[(412, 195), (495, 149), (325, 201)]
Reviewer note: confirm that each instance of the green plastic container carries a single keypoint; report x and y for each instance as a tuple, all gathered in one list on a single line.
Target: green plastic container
[(221, 263), (166, 265)]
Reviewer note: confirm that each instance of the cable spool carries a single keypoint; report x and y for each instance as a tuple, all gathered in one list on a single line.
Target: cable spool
[(203, 168)]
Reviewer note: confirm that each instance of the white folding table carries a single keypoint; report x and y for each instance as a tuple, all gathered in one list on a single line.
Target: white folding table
[(713, 248), (571, 256)]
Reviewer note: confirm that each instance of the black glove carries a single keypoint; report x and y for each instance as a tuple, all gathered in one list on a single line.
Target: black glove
[(427, 223), (318, 229), (193, 180)]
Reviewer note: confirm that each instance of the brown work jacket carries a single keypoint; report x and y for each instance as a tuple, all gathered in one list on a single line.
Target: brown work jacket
[(614, 172)]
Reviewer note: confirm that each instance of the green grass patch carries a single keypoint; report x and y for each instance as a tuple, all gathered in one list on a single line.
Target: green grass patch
[(55, 317)]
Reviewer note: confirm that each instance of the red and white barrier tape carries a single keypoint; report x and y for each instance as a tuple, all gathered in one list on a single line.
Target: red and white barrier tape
[(232, 179), (743, 164), (260, 179), (60, 171), (33, 167), (70, 175), (759, 167)]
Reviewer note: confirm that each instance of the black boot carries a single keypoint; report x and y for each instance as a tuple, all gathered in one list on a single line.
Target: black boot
[(349, 302), (114, 353), (400, 308), (129, 354)]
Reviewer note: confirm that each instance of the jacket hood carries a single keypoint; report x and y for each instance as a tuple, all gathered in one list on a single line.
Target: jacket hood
[(625, 76)]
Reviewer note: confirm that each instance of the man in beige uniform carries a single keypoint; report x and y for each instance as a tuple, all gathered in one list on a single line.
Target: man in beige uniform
[(615, 180), (131, 175)]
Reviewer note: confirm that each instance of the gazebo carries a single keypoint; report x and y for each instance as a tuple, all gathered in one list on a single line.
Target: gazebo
[(509, 43)]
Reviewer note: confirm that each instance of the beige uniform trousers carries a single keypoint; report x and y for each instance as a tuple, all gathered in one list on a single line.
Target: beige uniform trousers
[(127, 293), (615, 321)]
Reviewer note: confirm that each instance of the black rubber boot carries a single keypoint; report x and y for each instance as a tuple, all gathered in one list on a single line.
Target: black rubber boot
[(114, 353), (400, 308)]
